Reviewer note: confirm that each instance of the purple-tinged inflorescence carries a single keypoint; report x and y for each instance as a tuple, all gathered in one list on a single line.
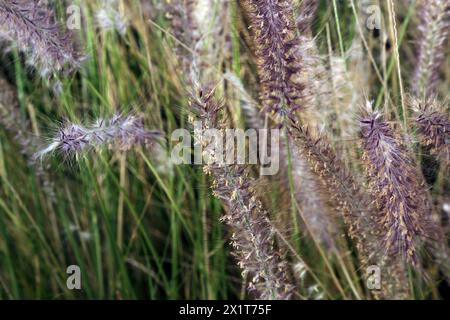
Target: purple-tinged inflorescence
[(253, 235), (200, 40), (184, 28), (434, 126), (34, 29), (277, 53), (333, 177), (433, 29), (404, 212), (348, 197), (119, 133)]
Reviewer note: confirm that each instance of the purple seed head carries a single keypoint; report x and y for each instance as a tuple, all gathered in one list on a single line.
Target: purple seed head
[(433, 33), (119, 133), (277, 52), (252, 233), (33, 28), (434, 126), (403, 212)]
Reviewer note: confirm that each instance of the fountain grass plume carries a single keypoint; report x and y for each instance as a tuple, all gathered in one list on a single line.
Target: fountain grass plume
[(433, 125), (119, 133), (348, 196), (404, 214), (344, 192), (278, 58), (32, 26), (253, 236), (434, 25)]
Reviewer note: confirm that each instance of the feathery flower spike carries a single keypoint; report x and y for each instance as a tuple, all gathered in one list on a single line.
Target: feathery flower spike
[(433, 29), (33, 28), (404, 216), (117, 133), (277, 53), (434, 126), (253, 235)]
